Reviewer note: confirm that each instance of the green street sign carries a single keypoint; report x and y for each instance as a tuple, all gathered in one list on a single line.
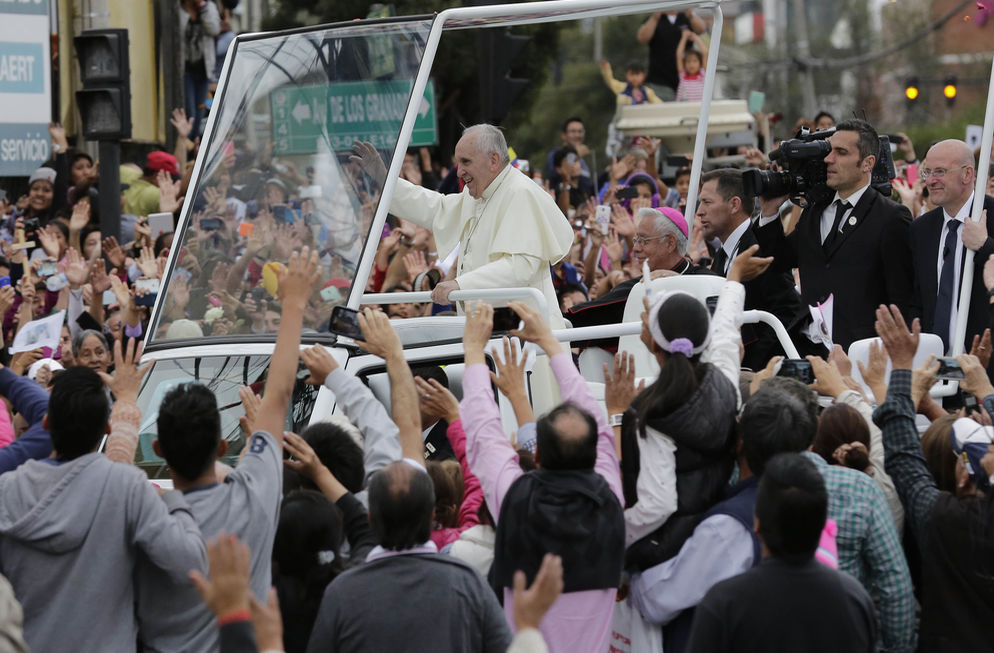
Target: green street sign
[(344, 112)]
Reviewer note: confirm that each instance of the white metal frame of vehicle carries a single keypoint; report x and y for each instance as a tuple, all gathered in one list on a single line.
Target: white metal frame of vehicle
[(459, 18), (483, 17), (523, 14)]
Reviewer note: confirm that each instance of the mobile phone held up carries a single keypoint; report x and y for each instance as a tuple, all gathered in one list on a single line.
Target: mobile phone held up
[(949, 369), (345, 322), (797, 368)]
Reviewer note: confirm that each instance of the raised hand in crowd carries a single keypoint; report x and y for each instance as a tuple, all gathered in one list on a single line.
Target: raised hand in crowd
[(828, 379), (510, 380), (747, 266), (305, 462), (438, 399), (380, 339), (147, 263), (226, 589), (975, 379), (767, 372), (112, 250), (981, 348), (619, 384), (127, 378), (21, 361), (535, 328), (874, 372), (251, 403), (697, 250), (900, 342), (415, 263), (320, 363), (170, 198), (922, 380), (7, 296), (77, 270), (841, 360), (531, 605), (479, 326), (181, 123)]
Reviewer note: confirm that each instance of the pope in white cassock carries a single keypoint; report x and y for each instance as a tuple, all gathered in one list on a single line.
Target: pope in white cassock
[(508, 228)]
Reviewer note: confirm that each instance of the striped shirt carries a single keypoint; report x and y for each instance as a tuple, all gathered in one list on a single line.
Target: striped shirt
[(691, 87)]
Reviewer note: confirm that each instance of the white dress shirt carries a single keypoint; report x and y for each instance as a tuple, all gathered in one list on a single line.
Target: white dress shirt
[(731, 244), (962, 215), (828, 217)]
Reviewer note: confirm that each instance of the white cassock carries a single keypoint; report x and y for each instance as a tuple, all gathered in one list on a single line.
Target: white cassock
[(507, 239)]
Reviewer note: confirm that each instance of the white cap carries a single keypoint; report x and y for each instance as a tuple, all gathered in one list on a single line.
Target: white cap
[(53, 365)]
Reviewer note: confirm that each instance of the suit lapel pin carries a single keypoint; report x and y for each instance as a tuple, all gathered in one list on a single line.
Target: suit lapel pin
[(852, 220)]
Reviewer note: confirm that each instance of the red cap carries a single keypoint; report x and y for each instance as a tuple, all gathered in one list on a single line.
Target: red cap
[(338, 283), (162, 161)]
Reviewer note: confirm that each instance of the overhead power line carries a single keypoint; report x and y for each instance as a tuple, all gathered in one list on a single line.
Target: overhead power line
[(849, 62)]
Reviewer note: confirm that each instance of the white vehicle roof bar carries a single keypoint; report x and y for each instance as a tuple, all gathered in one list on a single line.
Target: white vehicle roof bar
[(528, 13)]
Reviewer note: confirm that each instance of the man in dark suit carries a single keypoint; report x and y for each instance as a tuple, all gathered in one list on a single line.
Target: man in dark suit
[(941, 239), (725, 213), (854, 247), (661, 238), (434, 427)]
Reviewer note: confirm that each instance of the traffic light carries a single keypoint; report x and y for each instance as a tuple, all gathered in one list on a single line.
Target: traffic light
[(911, 89), (949, 89), (105, 100), (498, 90)]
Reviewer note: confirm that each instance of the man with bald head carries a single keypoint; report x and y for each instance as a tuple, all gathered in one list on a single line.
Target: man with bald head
[(507, 228), (406, 595), (941, 239)]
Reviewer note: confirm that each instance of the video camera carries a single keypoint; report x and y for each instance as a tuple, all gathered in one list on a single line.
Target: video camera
[(803, 171)]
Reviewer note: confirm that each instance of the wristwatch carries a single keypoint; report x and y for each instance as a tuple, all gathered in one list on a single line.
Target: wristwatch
[(615, 419)]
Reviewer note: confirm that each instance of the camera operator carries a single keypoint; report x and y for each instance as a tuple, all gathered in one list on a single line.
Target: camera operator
[(853, 245)]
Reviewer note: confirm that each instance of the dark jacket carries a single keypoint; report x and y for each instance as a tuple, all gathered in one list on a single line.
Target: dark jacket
[(868, 265), (571, 513), (771, 291), (703, 430), (926, 237), (610, 308)]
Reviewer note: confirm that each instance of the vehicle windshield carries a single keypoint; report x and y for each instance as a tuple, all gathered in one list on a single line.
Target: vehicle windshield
[(276, 175), (224, 375)]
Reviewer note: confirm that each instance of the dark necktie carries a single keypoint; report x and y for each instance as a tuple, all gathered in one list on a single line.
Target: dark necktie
[(944, 301), (841, 206), (718, 264)]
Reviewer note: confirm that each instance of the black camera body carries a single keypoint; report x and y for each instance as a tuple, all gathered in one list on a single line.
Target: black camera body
[(804, 173)]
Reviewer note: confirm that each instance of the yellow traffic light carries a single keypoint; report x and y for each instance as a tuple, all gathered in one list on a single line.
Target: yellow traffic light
[(949, 88), (911, 92)]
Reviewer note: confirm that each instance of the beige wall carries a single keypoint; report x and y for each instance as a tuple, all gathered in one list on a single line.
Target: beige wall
[(138, 17)]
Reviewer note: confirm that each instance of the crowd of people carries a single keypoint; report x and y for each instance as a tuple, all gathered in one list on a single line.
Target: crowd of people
[(723, 504)]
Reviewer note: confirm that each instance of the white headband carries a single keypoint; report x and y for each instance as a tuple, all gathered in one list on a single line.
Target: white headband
[(677, 345)]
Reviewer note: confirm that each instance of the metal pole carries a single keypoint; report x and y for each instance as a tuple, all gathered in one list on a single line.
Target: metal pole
[(110, 189), (702, 125), (966, 288), (804, 52)]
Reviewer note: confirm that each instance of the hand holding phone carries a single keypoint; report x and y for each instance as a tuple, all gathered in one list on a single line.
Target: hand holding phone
[(797, 368), (345, 322)]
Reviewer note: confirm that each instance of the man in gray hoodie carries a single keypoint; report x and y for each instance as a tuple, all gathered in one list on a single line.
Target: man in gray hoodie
[(71, 527)]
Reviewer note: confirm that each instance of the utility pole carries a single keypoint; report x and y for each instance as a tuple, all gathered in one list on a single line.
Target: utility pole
[(803, 51)]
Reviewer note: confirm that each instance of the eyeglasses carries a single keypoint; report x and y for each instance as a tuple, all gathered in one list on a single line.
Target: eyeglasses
[(938, 173), (641, 240)]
